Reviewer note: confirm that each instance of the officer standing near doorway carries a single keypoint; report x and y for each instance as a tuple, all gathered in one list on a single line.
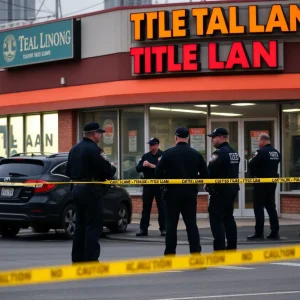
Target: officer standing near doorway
[(264, 164), (147, 165), (87, 162), (181, 162), (224, 163)]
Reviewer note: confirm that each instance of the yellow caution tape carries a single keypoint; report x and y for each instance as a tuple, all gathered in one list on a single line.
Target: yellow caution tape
[(167, 181), (146, 266)]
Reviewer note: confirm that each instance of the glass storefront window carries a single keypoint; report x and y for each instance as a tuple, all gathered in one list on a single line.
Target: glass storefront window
[(243, 110), (16, 140), (132, 140), (166, 118), (3, 137), (33, 140), (107, 120), (291, 145), (50, 133)]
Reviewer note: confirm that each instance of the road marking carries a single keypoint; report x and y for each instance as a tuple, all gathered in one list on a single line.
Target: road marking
[(287, 264), (232, 295), (234, 268)]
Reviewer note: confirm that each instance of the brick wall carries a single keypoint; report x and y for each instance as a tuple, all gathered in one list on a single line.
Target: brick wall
[(290, 204), (67, 130), (137, 205)]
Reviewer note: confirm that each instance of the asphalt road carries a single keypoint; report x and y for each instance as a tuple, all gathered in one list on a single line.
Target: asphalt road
[(270, 281)]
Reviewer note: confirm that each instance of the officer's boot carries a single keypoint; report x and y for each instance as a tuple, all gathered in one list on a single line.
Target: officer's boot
[(255, 236), (142, 233)]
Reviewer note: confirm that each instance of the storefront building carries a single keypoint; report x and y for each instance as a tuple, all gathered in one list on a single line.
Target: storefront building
[(143, 71)]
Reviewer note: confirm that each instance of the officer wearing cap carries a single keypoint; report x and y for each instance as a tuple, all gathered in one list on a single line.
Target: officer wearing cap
[(264, 164), (87, 162), (181, 162), (224, 163), (147, 165)]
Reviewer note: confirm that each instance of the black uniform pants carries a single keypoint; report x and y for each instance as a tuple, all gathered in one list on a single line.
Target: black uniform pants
[(222, 222), (184, 201), (149, 192), (88, 223), (264, 197)]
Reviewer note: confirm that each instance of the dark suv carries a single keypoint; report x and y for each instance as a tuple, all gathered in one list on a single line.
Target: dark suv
[(49, 206)]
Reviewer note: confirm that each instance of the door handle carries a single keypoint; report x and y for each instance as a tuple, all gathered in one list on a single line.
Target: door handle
[(246, 165)]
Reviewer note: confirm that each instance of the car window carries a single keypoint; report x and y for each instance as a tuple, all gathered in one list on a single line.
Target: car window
[(60, 169), (27, 167)]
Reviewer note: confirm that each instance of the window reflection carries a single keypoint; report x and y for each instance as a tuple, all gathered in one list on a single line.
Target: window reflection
[(16, 142), (133, 140), (3, 137), (50, 134), (33, 134), (166, 118), (291, 144)]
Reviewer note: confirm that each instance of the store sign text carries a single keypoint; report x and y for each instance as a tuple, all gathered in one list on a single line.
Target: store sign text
[(165, 59), (176, 24)]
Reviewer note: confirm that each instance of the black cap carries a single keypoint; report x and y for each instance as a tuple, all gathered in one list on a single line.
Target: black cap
[(153, 141), (218, 132), (92, 126), (182, 132)]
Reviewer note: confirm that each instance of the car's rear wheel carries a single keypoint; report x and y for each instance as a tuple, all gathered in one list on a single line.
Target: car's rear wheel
[(68, 221), (123, 219), (9, 231)]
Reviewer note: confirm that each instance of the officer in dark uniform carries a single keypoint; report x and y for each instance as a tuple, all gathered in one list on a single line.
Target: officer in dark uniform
[(224, 163), (87, 162), (147, 165), (264, 164), (181, 162)]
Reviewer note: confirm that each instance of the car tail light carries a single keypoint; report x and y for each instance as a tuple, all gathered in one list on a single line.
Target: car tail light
[(41, 186)]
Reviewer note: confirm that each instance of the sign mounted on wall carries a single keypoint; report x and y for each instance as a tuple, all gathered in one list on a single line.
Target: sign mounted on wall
[(239, 55), (252, 41), (41, 43), (203, 21)]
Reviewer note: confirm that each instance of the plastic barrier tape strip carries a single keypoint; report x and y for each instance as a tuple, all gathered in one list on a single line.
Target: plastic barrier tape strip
[(146, 266), (166, 181)]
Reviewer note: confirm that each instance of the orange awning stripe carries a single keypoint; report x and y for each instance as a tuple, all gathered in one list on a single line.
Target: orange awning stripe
[(204, 88)]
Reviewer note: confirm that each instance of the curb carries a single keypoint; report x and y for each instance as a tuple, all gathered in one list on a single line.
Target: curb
[(204, 241)]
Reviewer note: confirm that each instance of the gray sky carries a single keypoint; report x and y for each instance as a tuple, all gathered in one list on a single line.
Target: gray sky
[(77, 7)]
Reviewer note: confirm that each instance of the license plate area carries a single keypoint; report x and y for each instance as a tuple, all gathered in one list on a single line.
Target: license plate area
[(7, 192)]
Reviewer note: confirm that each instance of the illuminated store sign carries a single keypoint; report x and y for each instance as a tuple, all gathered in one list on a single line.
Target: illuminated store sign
[(165, 59), (198, 33), (156, 25)]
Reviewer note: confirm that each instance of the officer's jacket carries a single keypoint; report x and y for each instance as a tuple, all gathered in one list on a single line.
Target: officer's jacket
[(181, 162), (149, 173), (88, 161), (224, 163), (265, 162)]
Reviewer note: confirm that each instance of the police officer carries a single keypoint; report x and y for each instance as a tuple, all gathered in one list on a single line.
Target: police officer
[(264, 164), (88, 162), (181, 162), (224, 163), (147, 165)]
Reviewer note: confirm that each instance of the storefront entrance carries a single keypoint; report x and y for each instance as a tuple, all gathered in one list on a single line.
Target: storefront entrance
[(243, 133)]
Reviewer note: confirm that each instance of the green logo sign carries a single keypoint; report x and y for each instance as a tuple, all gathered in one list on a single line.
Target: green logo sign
[(40, 43)]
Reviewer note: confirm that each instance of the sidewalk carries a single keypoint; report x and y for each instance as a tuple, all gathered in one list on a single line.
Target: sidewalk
[(289, 232)]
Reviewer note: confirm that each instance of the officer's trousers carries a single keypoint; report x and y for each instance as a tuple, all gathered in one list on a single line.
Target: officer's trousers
[(88, 223), (222, 222), (149, 192), (264, 197), (181, 200)]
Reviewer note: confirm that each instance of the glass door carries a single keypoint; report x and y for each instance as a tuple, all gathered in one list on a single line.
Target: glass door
[(243, 134), (234, 129), (251, 129)]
